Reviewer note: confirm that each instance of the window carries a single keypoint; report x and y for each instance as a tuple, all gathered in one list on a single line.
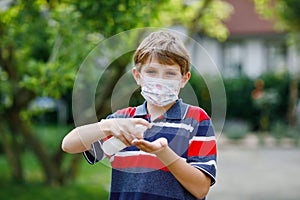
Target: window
[(276, 55), (233, 59)]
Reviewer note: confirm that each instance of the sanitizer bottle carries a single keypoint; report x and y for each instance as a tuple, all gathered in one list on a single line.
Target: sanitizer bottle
[(114, 145)]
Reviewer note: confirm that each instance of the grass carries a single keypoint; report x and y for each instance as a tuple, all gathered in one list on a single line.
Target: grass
[(92, 183), (38, 191)]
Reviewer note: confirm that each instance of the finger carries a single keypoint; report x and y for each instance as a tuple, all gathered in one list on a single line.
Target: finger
[(119, 130), (139, 142), (138, 131), (148, 146), (140, 121), (128, 136), (124, 139)]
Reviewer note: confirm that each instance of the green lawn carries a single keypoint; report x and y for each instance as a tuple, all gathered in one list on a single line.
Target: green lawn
[(92, 183)]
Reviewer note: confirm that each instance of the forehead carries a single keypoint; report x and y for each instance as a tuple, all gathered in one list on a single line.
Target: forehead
[(154, 63)]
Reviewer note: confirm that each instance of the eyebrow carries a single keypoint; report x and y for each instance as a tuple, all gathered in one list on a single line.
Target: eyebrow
[(155, 65)]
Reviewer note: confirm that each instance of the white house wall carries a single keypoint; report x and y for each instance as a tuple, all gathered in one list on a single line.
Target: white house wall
[(254, 57), (206, 54), (254, 63), (210, 53), (293, 60)]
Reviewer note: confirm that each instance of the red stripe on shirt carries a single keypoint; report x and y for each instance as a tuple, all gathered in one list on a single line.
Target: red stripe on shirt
[(140, 161), (127, 111), (106, 138), (197, 114), (202, 148)]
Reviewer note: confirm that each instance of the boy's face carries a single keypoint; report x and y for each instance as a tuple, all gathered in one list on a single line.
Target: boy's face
[(156, 70)]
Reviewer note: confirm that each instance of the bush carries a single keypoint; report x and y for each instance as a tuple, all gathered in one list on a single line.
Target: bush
[(279, 83), (239, 101), (236, 129), (272, 104)]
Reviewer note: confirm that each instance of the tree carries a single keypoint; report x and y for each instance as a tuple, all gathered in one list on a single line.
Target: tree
[(36, 53), (42, 44), (287, 14)]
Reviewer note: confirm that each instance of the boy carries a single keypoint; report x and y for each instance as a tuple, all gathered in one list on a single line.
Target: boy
[(176, 156)]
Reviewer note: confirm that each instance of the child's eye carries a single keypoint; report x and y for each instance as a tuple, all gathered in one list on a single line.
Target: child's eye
[(150, 71), (171, 73)]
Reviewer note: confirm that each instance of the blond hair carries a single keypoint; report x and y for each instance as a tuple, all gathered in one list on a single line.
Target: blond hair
[(166, 48)]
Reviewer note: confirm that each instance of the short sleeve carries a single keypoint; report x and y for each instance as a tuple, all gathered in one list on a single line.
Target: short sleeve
[(96, 153), (202, 150)]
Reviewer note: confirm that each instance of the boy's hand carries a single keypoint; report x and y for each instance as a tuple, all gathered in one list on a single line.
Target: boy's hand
[(158, 147), (125, 129), (151, 147)]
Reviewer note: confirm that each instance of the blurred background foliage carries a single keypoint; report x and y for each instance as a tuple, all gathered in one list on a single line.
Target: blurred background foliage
[(42, 45)]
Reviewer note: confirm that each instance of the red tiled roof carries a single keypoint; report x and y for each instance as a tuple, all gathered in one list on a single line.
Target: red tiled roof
[(245, 21)]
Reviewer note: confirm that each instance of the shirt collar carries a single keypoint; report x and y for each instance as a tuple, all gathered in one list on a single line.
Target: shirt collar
[(177, 111), (141, 110)]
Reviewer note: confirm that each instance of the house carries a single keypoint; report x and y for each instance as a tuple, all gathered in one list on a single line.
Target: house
[(253, 47)]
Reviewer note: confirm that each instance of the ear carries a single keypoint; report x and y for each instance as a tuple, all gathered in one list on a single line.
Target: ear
[(185, 79), (136, 75)]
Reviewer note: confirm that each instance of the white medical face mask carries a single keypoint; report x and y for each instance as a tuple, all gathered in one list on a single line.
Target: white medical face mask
[(160, 92)]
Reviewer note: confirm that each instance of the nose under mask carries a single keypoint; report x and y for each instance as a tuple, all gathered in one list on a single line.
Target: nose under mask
[(160, 92)]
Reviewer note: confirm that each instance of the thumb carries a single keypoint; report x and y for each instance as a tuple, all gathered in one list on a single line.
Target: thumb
[(162, 141), (160, 144)]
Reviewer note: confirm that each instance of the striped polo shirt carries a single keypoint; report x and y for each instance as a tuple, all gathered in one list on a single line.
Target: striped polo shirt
[(137, 175)]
